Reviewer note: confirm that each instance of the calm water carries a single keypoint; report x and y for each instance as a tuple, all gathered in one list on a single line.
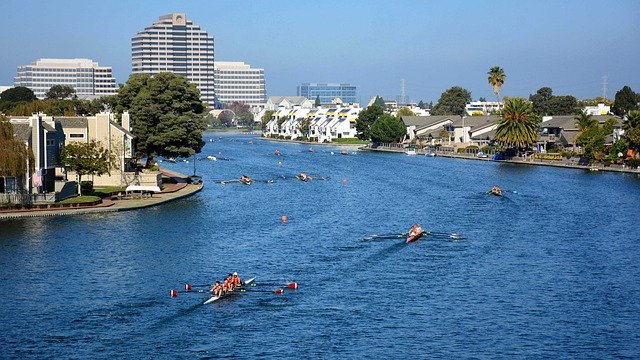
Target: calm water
[(549, 270)]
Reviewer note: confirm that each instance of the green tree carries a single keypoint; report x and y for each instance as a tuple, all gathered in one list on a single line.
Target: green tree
[(541, 100), (518, 126), (365, 119), (631, 128), (421, 104), (404, 111), (452, 102), (496, 80), (593, 139), (583, 122), (16, 94), (380, 102), (266, 117), (14, 154), (304, 126), (563, 105), (244, 116), (387, 129), (618, 147), (625, 101), (166, 115), (317, 102), (59, 92), (86, 158)]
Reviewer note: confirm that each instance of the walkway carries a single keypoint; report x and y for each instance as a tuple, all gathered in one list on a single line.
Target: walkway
[(170, 192)]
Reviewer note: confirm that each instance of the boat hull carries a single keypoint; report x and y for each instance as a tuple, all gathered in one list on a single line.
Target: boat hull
[(412, 238), (235, 291)]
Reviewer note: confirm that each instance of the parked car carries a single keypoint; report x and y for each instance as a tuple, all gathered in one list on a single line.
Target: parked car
[(482, 155)]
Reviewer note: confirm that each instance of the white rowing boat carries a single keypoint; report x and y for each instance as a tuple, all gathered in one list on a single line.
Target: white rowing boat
[(236, 290)]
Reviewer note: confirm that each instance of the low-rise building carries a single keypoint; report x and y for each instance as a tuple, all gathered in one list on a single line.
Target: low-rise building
[(325, 124)]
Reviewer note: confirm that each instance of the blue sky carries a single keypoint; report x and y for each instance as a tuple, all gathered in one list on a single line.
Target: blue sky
[(566, 45)]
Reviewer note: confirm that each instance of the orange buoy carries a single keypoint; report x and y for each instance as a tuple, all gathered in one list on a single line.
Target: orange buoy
[(292, 285), (278, 291), (173, 293), (187, 287), (284, 219)]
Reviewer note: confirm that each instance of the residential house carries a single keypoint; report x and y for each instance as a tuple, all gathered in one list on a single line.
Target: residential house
[(561, 131)]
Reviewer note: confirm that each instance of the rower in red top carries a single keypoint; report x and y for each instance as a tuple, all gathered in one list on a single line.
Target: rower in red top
[(217, 289), (236, 280)]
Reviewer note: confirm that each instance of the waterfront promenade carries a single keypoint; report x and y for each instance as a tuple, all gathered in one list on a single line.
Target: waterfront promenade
[(515, 160), (171, 191)]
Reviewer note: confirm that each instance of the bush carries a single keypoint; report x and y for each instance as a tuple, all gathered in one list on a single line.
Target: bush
[(86, 186), (461, 150), (472, 147), (634, 163), (155, 167)]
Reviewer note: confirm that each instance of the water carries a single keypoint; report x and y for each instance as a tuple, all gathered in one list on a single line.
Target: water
[(549, 270)]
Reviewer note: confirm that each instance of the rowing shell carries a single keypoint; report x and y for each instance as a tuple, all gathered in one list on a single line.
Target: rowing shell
[(414, 237), (238, 289)]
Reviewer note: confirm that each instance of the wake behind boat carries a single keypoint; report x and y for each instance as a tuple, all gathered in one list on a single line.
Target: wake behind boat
[(228, 294)]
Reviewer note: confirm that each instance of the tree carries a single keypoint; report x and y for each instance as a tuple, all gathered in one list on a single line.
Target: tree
[(380, 102), (625, 101), (518, 126), (166, 115), (583, 122), (17, 94), (404, 111), (365, 119), (266, 118), (452, 102), (317, 102), (86, 158), (387, 129), (541, 100), (496, 80), (595, 102), (59, 92), (421, 104), (243, 114), (631, 129), (15, 157), (593, 139), (304, 126), (482, 99), (563, 105)]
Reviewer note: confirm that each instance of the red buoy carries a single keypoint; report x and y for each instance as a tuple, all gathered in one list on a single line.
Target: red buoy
[(292, 285), (344, 181), (187, 287), (173, 293), (284, 219), (278, 291)]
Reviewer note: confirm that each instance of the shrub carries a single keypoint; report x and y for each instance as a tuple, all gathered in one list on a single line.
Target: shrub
[(155, 167), (461, 150), (87, 186), (633, 163)]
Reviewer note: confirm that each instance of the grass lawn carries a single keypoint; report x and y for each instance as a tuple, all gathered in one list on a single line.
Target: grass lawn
[(105, 191), (349, 141), (80, 199)]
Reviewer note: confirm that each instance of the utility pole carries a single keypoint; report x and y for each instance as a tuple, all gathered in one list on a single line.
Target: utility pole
[(403, 94), (604, 86)]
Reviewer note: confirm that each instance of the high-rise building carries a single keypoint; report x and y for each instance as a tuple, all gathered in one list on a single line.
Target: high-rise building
[(237, 81), (175, 44), (85, 75), (328, 92)]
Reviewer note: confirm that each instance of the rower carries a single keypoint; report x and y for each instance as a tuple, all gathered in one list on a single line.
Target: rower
[(415, 229), (245, 179), (217, 289), (303, 176), (236, 280)]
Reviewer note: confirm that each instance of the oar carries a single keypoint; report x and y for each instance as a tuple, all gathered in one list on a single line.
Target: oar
[(384, 236)]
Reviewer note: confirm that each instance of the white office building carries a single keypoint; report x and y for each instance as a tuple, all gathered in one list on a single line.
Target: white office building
[(89, 80), (237, 81), (175, 44)]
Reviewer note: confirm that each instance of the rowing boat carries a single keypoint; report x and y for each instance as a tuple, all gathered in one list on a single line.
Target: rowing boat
[(414, 237), (225, 295)]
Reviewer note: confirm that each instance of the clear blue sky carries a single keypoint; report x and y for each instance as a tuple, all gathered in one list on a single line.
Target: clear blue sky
[(566, 45)]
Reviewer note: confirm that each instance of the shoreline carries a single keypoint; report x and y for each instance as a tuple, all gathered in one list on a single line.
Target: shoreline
[(534, 162), (309, 142), (181, 189)]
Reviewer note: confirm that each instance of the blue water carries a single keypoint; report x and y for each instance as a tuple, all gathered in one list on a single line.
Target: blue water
[(549, 270)]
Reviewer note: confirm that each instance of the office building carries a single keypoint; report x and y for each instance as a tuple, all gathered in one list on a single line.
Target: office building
[(89, 80), (328, 92), (175, 44), (237, 81)]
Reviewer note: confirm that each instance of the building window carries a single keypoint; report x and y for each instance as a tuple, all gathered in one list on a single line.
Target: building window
[(76, 136)]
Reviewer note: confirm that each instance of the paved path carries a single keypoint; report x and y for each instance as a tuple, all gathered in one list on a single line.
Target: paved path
[(170, 192)]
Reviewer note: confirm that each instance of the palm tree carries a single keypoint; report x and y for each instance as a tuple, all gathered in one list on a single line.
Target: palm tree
[(518, 126), (583, 122), (496, 80), (631, 129)]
